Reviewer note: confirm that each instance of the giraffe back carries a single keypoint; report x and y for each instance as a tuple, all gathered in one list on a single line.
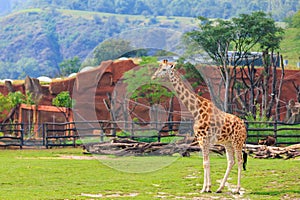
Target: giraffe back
[(216, 126)]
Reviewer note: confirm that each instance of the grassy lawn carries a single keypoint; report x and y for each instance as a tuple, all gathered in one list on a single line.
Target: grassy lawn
[(68, 174)]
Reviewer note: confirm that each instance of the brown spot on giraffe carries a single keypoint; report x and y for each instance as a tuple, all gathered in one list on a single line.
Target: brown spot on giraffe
[(186, 94), (192, 107)]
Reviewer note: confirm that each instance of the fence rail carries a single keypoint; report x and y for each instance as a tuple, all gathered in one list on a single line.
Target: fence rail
[(11, 134), (77, 133), (284, 133)]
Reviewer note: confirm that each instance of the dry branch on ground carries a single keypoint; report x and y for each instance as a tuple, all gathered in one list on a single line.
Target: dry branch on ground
[(128, 147), (263, 151)]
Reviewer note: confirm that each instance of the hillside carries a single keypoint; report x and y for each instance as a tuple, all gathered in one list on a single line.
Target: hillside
[(33, 42), (279, 9), (290, 46)]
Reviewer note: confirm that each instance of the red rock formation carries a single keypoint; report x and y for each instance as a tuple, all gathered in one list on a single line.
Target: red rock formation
[(91, 87)]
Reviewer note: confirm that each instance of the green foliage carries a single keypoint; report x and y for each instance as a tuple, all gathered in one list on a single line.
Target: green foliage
[(63, 99), (45, 37), (241, 34), (139, 84), (190, 72), (212, 9), (18, 70), (290, 46), (110, 50), (5, 105), (28, 99), (16, 98), (12, 100), (69, 66), (295, 22), (148, 60), (259, 120), (256, 28), (258, 117)]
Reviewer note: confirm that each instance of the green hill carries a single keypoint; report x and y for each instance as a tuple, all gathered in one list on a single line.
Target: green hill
[(290, 46), (34, 41), (279, 9)]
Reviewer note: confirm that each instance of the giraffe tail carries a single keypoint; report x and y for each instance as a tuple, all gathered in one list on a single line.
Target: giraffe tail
[(245, 158)]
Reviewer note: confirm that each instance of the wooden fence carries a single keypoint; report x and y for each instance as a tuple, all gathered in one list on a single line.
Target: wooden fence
[(285, 134), (11, 134), (77, 133), (99, 131)]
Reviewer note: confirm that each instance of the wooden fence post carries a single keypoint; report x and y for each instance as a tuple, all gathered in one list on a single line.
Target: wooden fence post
[(101, 134), (46, 135), (22, 134), (43, 133), (275, 129), (132, 130)]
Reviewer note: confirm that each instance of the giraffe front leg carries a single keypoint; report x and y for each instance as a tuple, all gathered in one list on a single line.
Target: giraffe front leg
[(206, 167)]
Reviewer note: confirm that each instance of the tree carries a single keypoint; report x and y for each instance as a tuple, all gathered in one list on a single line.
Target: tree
[(152, 91), (215, 38), (296, 20), (5, 106), (110, 49), (190, 72), (10, 103), (16, 98), (141, 87), (259, 31), (63, 100), (69, 66), (242, 34)]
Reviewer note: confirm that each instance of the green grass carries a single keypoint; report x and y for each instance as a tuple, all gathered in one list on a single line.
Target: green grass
[(44, 174), (290, 47)]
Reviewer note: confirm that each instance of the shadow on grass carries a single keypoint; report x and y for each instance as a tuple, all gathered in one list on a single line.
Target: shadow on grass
[(274, 193)]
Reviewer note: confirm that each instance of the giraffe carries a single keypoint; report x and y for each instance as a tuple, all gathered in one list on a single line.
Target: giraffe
[(211, 126)]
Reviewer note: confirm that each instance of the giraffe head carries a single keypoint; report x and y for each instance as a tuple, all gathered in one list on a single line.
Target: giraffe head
[(162, 70)]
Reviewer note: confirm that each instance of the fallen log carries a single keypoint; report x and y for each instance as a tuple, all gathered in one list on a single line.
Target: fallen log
[(263, 151), (124, 146)]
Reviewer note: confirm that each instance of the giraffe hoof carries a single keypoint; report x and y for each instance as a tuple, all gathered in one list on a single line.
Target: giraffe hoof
[(219, 191), (205, 191), (236, 192)]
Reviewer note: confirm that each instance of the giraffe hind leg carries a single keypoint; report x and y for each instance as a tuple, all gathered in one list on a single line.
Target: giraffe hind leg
[(230, 163), (239, 155)]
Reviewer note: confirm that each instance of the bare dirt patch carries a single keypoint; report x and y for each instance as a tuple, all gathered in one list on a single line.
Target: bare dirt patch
[(113, 195)]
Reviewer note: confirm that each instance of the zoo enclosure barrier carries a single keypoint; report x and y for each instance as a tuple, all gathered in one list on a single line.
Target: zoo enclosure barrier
[(77, 133), (11, 134)]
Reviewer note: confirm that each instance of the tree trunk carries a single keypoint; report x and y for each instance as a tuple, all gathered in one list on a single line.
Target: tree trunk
[(274, 86), (277, 115), (265, 84)]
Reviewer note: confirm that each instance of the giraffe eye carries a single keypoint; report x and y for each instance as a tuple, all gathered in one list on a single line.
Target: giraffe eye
[(164, 69)]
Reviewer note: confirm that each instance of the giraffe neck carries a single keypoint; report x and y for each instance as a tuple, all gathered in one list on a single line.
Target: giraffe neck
[(185, 94)]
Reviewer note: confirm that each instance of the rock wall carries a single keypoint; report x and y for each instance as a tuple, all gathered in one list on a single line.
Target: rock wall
[(92, 87)]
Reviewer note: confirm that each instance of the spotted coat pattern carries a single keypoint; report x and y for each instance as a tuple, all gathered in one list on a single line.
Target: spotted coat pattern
[(211, 126)]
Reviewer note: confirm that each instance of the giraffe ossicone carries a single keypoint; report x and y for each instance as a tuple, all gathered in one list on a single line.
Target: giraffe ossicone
[(211, 126)]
